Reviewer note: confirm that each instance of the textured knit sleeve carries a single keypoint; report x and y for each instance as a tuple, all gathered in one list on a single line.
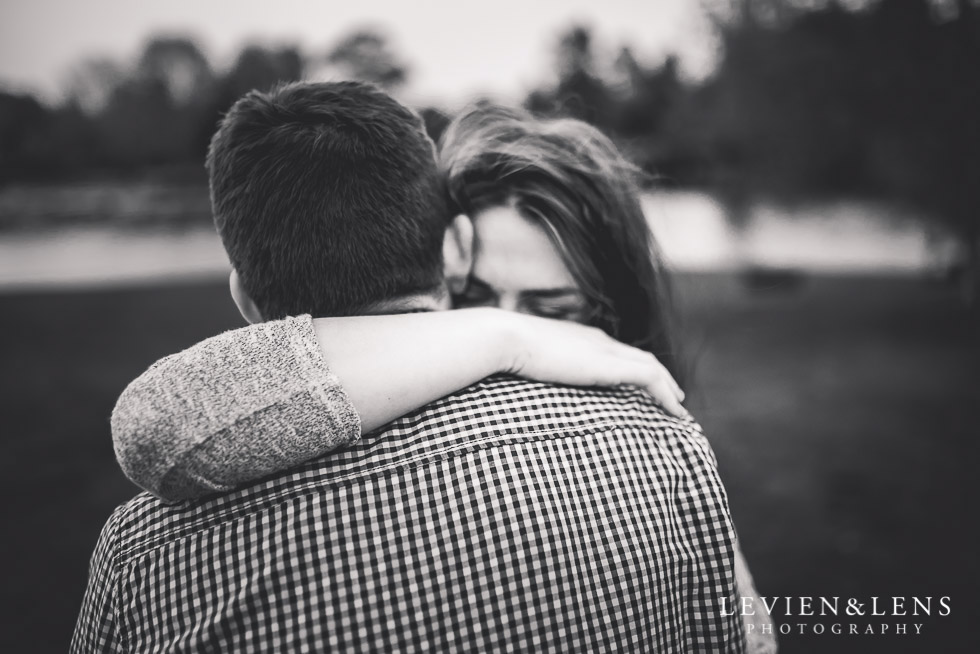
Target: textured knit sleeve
[(230, 410)]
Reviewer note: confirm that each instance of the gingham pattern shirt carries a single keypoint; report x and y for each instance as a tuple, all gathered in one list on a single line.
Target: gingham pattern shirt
[(512, 516)]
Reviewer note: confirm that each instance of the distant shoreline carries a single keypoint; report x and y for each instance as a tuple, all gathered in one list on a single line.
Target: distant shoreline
[(137, 244), (99, 257)]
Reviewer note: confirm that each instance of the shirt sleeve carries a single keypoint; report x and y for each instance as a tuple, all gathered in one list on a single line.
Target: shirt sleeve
[(230, 410), (97, 629), (703, 509)]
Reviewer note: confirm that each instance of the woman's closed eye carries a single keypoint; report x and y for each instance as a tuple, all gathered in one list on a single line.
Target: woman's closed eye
[(570, 307)]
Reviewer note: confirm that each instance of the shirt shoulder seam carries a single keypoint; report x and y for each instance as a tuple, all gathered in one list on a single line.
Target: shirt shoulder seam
[(139, 550)]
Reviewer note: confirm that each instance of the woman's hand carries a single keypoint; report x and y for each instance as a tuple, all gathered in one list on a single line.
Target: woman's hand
[(568, 353)]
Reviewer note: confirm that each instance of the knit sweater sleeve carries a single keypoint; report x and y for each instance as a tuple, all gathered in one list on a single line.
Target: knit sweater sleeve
[(230, 410)]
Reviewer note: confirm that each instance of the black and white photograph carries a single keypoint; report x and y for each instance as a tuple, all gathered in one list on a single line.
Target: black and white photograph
[(552, 326)]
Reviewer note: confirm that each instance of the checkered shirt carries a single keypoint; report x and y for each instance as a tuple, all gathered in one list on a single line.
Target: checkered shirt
[(512, 516)]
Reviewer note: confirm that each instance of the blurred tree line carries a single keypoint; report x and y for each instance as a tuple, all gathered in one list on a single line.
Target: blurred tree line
[(162, 110), (810, 98)]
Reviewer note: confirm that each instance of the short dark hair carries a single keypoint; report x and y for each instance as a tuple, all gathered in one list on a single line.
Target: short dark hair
[(328, 198)]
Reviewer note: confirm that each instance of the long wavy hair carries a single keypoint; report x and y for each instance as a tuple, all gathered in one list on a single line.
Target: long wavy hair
[(568, 177)]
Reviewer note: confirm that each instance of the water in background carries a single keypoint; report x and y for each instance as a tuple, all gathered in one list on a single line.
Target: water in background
[(102, 237)]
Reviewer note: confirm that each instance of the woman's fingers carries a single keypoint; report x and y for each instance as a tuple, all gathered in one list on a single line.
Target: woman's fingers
[(669, 398), (622, 363), (657, 382), (568, 353), (651, 363)]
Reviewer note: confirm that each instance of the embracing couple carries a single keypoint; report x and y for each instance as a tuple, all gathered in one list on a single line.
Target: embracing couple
[(351, 473)]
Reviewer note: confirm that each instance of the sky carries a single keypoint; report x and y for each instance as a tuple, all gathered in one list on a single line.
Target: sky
[(454, 48)]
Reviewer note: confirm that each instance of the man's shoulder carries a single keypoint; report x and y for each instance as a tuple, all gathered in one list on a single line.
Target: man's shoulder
[(505, 409), (505, 404), (500, 411), (145, 522)]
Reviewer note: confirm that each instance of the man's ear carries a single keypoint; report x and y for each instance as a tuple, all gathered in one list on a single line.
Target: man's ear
[(246, 306), (457, 253)]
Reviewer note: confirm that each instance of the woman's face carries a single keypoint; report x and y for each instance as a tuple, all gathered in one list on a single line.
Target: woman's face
[(516, 267)]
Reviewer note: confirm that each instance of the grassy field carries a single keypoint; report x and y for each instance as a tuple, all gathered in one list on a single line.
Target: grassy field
[(844, 412)]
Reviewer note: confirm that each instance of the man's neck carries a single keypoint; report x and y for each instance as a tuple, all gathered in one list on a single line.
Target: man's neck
[(433, 301)]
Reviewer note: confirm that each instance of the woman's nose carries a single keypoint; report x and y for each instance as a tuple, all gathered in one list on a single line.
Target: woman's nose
[(509, 302)]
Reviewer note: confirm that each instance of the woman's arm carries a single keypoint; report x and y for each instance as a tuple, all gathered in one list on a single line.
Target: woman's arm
[(391, 365), (231, 409), (261, 399)]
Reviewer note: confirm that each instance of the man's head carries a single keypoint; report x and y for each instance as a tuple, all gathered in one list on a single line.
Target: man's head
[(328, 200)]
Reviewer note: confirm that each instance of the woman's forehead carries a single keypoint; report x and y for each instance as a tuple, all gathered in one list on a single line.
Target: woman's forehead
[(513, 253)]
